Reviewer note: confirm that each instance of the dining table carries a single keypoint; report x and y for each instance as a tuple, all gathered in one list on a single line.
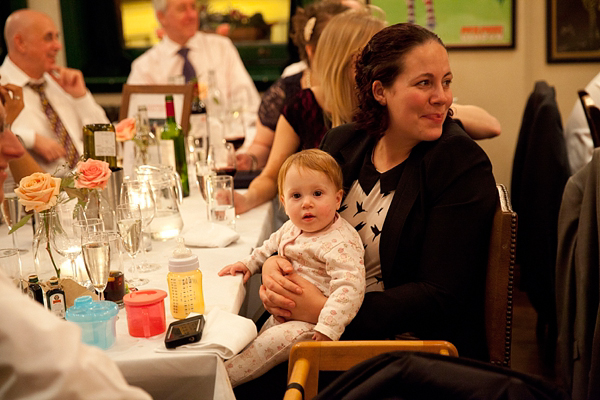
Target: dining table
[(144, 361)]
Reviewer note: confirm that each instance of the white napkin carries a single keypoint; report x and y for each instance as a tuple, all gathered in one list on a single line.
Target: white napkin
[(224, 334), (208, 234)]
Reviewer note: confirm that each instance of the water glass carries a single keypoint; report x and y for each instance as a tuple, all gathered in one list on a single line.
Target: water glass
[(10, 264), (220, 200)]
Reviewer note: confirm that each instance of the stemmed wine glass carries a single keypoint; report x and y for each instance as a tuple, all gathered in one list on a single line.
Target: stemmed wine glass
[(12, 212), (222, 157), (129, 221), (96, 257), (235, 127), (204, 169), (140, 193)]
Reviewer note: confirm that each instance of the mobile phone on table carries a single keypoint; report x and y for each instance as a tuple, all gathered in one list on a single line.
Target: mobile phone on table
[(185, 331)]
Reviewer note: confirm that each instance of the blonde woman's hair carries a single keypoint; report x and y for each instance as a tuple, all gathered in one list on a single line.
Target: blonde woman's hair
[(315, 160), (342, 39)]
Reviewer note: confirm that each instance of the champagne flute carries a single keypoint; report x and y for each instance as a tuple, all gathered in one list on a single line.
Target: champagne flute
[(129, 221), (96, 257), (12, 212), (204, 169), (140, 193), (79, 227)]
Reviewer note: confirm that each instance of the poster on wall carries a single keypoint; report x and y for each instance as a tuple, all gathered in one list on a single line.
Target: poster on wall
[(461, 24), (573, 31)]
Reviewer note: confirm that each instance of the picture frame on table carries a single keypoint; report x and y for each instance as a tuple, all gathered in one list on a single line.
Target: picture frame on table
[(461, 24), (153, 97), (573, 31)]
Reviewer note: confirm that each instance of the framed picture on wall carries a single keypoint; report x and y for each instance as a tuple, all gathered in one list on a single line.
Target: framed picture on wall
[(462, 24), (573, 31), (153, 97)]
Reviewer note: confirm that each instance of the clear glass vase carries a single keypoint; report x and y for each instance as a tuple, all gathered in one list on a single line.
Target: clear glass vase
[(47, 260), (96, 206)]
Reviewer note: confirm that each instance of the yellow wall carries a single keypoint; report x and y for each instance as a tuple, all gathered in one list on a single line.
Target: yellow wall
[(140, 24)]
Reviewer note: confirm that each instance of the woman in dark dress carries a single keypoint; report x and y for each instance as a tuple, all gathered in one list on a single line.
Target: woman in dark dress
[(420, 193)]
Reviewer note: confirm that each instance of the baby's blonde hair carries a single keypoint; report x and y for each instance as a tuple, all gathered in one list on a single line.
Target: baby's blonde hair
[(341, 40), (315, 160)]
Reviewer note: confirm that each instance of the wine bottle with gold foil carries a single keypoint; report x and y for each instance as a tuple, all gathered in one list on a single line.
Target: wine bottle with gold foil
[(100, 143), (172, 145)]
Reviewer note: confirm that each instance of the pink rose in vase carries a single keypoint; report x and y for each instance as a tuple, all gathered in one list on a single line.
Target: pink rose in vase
[(92, 174), (125, 130)]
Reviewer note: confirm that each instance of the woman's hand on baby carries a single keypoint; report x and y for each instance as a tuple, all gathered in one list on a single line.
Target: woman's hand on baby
[(275, 273), (233, 269), (319, 337), (288, 296)]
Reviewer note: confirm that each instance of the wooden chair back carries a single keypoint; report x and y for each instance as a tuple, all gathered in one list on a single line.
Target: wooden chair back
[(500, 280), (308, 358), (592, 115)]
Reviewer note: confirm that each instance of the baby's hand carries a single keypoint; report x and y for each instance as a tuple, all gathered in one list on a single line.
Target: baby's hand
[(233, 269), (319, 337)]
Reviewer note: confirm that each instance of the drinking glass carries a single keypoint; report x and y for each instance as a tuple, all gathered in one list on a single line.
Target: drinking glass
[(220, 200), (222, 157), (129, 221), (96, 257), (10, 264), (140, 193), (12, 212)]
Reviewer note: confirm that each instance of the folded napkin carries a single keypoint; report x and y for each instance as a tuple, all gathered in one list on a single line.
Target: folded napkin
[(224, 334), (208, 234)]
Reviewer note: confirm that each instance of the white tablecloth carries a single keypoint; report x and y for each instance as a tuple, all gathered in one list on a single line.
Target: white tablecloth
[(174, 375)]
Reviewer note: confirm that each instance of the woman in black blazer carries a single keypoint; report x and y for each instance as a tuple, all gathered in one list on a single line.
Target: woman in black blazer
[(421, 194)]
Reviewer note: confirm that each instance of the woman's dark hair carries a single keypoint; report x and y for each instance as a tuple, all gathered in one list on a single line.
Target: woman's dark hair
[(322, 11), (382, 59)]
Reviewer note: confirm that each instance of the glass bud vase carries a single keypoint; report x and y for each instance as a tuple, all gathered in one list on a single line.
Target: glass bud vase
[(97, 206), (46, 259)]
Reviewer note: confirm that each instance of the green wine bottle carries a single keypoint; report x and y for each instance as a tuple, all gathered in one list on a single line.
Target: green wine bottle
[(100, 143), (172, 145)]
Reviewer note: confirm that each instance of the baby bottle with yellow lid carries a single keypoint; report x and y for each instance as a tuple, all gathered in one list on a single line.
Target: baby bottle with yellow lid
[(185, 282)]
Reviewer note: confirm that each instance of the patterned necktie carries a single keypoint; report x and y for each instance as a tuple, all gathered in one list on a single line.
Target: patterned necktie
[(188, 69), (57, 126)]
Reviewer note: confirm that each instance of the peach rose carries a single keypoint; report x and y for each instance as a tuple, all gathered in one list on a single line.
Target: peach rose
[(125, 130), (38, 191), (92, 174)]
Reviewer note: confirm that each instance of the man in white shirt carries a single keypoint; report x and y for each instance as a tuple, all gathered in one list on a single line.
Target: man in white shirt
[(158, 65), (32, 41), (578, 138)]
